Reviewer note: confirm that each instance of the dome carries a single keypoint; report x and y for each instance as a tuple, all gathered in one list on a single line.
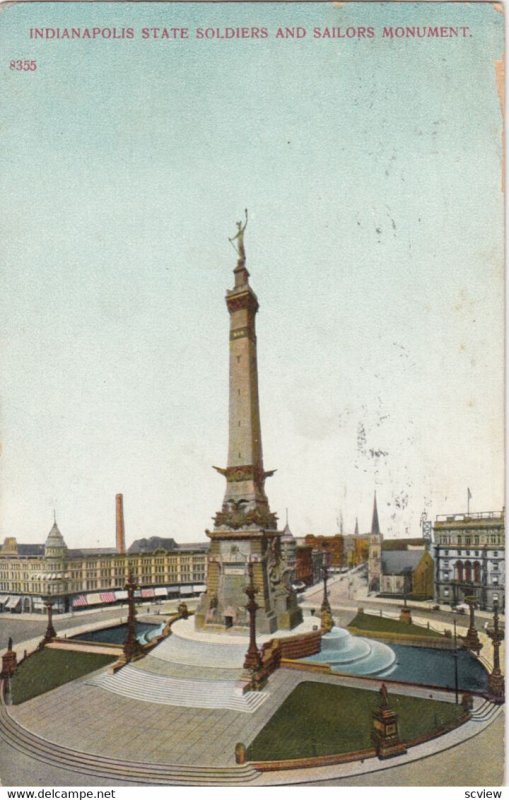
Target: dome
[(55, 543)]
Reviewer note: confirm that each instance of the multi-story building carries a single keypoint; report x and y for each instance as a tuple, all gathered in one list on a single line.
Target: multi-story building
[(470, 558), (333, 545), (74, 579), (308, 565)]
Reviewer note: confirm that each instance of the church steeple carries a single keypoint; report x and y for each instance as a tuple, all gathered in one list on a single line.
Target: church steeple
[(375, 525)]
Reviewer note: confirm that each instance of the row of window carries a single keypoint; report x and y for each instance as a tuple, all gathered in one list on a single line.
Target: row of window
[(467, 553), (469, 540), (467, 571)]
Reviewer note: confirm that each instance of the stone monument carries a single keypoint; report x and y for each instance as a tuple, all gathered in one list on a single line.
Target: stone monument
[(245, 530), (385, 735)]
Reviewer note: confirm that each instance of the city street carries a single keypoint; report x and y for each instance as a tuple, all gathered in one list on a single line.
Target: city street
[(350, 591), (23, 627)]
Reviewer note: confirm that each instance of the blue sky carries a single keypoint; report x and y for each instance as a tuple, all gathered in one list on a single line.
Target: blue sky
[(372, 174)]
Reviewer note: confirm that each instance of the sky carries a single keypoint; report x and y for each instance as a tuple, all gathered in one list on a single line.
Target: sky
[(371, 169)]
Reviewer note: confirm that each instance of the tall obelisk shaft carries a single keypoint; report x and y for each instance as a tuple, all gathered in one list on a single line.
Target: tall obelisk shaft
[(245, 539), (244, 474)]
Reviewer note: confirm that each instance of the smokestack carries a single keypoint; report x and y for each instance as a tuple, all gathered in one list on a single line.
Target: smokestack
[(119, 508)]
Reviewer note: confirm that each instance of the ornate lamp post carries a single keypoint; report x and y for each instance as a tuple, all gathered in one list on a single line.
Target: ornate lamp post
[(325, 609), (253, 659), (50, 630), (496, 679), (471, 640), (55, 590), (405, 614), (456, 682), (9, 661), (132, 647)]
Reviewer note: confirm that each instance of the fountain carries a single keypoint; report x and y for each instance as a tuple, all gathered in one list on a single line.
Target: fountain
[(354, 654), (344, 652)]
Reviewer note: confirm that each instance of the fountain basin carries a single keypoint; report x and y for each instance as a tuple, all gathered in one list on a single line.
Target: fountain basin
[(354, 654)]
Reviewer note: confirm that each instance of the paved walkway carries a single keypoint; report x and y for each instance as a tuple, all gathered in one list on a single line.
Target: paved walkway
[(164, 734), (91, 720), (131, 730)]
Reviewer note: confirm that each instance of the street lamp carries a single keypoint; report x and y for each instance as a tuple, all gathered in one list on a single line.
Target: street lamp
[(55, 589), (455, 663), (471, 640), (325, 609), (132, 648), (496, 679), (253, 659)]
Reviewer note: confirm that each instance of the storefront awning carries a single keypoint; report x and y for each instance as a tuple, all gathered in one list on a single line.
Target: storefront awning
[(79, 601), (186, 590), (147, 593), (108, 597), (200, 587), (160, 592), (13, 602), (4, 598), (121, 594), (93, 599)]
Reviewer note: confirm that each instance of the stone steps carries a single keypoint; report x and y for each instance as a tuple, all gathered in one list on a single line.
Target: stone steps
[(188, 671), (486, 711), (165, 690), (22, 740), (179, 650)]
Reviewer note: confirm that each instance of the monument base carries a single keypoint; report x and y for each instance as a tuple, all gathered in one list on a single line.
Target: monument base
[(223, 605)]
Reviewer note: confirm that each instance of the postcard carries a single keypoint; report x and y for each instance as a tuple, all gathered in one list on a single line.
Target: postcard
[(252, 302)]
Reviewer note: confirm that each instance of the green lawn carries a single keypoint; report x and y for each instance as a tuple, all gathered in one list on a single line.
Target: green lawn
[(48, 669), (370, 622), (322, 719)]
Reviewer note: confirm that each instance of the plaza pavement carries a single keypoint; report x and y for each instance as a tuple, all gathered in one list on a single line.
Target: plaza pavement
[(91, 720)]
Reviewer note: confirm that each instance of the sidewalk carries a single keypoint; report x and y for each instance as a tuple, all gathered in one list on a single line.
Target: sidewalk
[(146, 607)]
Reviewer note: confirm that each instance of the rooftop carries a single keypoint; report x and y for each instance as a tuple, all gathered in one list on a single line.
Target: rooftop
[(470, 517), (403, 544)]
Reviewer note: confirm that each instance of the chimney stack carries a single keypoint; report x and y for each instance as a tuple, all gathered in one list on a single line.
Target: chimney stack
[(120, 538)]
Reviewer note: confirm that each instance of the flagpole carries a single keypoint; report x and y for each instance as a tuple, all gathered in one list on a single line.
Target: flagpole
[(469, 495)]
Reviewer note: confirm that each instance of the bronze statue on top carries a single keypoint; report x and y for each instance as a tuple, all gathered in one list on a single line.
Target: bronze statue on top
[(239, 238)]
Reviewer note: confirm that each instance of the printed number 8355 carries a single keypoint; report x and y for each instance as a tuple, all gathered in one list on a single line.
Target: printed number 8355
[(23, 65)]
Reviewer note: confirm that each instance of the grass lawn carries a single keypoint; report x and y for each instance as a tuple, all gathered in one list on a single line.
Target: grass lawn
[(370, 622), (51, 668), (321, 719)]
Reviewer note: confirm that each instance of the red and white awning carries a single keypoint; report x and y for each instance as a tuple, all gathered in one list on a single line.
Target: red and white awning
[(108, 597)]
